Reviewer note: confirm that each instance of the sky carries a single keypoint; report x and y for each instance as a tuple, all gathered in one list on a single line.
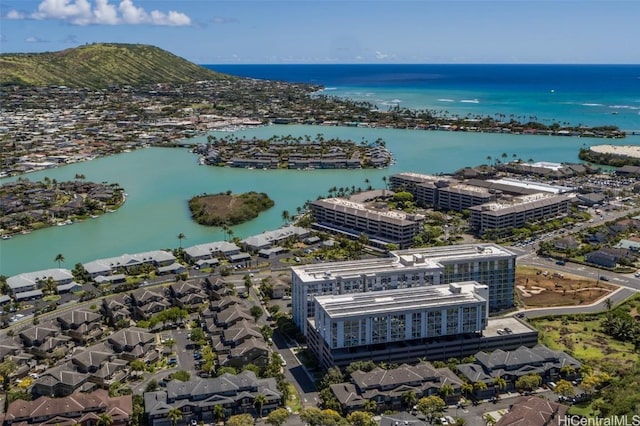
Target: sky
[(336, 31)]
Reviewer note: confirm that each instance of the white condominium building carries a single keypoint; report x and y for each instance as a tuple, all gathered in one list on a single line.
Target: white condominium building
[(487, 264), (516, 212), (362, 319), (381, 225)]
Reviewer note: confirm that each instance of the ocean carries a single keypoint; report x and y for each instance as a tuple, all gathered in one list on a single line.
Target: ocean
[(156, 209), (590, 95)]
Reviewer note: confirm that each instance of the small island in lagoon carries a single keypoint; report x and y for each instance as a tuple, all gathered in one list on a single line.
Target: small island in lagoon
[(228, 209), (298, 153)]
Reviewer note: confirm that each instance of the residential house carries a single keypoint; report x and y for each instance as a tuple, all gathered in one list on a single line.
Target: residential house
[(197, 397), (77, 408), (231, 315), (511, 365), (386, 387), (610, 257), (133, 343), (533, 411), (117, 308), (81, 325), (31, 282), (147, 303), (62, 380)]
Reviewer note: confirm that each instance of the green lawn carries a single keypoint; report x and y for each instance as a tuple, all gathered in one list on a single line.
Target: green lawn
[(583, 339)]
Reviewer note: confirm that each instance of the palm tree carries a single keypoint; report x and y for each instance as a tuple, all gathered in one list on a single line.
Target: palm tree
[(259, 403), (175, 415), (608, 304), (181, 237), (466, 388), (446, 391), (409, 398), (384, 179), (499, 384), (218, 412), (488, 419), (479, 386), (104, 419), (59, 258), (286, 216)]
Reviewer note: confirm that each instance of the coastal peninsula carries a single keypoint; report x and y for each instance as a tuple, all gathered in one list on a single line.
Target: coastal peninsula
[(228, 209), (287, 152), (26, 206), (612, 155)]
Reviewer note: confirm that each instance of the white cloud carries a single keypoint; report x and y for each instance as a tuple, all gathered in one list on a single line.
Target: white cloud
[(14, 14), (380, 55), (105, 13), (101, 12), (34, 40)]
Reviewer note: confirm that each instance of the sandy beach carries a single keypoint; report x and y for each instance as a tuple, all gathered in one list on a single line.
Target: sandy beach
[(626, 150)]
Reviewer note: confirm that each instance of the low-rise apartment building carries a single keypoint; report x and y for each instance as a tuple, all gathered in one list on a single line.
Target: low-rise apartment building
[(380, 225), (517, 211)]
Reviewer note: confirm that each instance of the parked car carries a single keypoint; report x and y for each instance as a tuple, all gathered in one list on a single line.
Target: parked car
[(604, 278)]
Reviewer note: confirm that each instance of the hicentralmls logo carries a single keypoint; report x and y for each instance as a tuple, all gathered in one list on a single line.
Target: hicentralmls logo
[(599, 421)]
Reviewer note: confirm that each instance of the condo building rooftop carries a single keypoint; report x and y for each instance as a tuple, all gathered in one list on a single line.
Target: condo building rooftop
[(384, 302)]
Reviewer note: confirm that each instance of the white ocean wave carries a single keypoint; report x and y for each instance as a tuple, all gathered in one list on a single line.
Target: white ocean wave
[(592, 105), (445, 100), (470, 101), (624, 107)]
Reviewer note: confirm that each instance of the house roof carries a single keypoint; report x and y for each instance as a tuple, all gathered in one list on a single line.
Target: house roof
[(532, 411), (132, 336), (58, 409), (29, 278)]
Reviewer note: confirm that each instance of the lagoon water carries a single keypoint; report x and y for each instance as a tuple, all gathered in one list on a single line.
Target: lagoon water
[(159, 181)]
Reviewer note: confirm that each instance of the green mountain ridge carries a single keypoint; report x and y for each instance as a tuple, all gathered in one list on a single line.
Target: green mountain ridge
[(101, 65)]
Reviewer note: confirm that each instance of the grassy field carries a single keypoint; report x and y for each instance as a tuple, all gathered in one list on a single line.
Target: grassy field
[(582, 336)]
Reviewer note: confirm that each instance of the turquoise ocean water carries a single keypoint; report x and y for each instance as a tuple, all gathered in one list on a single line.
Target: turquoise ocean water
[(159, 181)]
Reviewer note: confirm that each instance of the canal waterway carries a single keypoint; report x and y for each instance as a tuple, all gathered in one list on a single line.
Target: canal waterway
[(160, 181)]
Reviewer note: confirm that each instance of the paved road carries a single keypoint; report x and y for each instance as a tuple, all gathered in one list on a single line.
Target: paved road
[(295, 373)]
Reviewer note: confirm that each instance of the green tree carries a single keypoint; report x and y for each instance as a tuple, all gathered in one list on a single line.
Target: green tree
[(431, 406), (181, 375), (175, 415), (137, 365), (240, 420), (564, 388), (488, 419), (278, 417), (256, 312), (7, 368), (59, 258), (218, 412), (181, 237), (370, 405), (259, 402), (104, 419), (409, 398), (286, 216), (466, 388), (361, 418), (312, 416), (152, 386), (479, 386), (499, 384), (529, 383), (446, 391)]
